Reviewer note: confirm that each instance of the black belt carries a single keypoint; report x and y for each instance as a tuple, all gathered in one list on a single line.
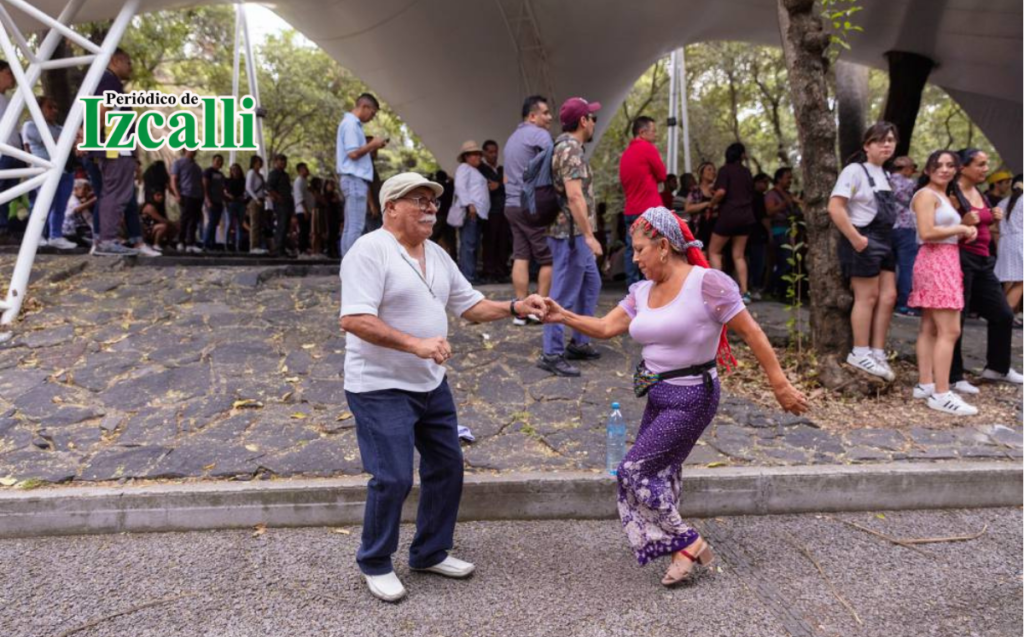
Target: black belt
[(644, 379)]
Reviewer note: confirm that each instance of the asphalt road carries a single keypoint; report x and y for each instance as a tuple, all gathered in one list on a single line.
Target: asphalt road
[(558, 578)]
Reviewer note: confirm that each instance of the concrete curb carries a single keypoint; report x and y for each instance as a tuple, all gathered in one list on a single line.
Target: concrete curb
[(522, 496)]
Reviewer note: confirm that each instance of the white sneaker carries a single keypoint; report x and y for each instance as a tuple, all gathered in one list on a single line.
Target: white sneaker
[(450, 567), (884, 364), (180, 247), (62, 244), (963, 387), (921, 392), (386, 587), (521, 322), (1009, 377), (259, 251), (950, 403), (868, 364), (194, 250), (147, 251), (43, 242)]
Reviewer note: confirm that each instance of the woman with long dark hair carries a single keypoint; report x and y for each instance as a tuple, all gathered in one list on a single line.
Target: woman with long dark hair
[(982, 291), (256, 194), (735, 189), (702, 203), (234, 193), (678, 314), (1010, 262), (863, 207), (938, 288)]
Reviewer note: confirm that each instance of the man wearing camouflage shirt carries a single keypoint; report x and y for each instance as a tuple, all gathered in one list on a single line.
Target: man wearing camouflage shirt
[(575, 281)]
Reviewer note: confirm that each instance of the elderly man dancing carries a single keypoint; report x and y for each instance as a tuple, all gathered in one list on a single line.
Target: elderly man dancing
[(395, 289)]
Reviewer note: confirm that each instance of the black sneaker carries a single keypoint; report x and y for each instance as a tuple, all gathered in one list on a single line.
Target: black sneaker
[(586, 352), (557, 365)]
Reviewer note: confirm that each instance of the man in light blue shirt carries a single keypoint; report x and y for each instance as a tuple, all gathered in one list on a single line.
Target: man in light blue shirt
[(355, 166), (34, 144)]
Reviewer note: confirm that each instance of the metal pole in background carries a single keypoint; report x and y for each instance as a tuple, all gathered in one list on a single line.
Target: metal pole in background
[(27, 254), (672, 147), (684, 113), (237, 55), (254, 87)]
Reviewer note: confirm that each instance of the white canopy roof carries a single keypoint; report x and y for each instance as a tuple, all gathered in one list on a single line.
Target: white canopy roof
[(457, 69)]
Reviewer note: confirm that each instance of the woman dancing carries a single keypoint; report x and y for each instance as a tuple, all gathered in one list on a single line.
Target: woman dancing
[(678, 315)]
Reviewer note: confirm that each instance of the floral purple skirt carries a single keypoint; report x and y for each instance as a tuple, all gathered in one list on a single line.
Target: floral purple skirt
[(650, 475)]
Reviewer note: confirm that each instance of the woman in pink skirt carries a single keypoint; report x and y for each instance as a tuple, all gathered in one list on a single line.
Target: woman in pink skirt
[(938, 288)]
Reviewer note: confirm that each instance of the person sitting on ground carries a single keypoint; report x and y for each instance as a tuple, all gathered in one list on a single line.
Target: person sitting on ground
[(938, 286), (157, 227), (77, 226)]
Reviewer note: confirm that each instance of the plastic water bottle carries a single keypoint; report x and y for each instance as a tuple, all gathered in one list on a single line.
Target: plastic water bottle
[(616, 444)]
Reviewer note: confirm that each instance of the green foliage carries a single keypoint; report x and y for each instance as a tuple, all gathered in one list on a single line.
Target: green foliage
[(795, 284), (838, 14), (304, 91)]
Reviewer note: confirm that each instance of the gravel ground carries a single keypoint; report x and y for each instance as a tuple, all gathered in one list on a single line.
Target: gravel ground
[(564, 578)]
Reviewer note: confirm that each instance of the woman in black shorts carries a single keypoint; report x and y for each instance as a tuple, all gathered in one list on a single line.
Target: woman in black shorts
[(735, 187), (863, 207)]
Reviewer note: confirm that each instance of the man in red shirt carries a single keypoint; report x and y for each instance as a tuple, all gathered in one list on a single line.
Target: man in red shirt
[(640, 171)]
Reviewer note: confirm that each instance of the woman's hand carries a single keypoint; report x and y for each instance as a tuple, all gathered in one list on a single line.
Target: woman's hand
[(969, 233), (790, 398), (860, 243), (998, 214), (971, 218), (555, 312)]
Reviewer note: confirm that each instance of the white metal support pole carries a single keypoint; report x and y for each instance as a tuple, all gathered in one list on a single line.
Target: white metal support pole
[(236, 69), (672, 150), (684, 111), (46, 49), (254, 87), (26, 256)]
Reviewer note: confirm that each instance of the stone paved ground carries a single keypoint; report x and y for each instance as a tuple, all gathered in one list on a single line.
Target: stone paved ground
[(122, 372)]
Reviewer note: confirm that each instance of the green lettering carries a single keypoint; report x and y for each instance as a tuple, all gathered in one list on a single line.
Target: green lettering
[(184, 135), (210, 123), (147, 141), (91, 124), (228, 110), (118, 125)]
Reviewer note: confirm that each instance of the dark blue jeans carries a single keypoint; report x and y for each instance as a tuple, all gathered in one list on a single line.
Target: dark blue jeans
[(469, 243), (633, 274), (904, 244), (216, 211), (390, 423), (55, 218)]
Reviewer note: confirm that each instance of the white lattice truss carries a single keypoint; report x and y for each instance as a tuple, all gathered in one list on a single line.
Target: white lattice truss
[(45, 174)]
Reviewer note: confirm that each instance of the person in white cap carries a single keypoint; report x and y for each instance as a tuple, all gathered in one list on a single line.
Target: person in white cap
[(472, 205), (396, 286)]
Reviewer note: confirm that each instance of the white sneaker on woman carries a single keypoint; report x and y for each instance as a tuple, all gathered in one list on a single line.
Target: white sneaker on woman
[(869, 364), (921, 392), (963, 387), (950, 403), (1009, 377)]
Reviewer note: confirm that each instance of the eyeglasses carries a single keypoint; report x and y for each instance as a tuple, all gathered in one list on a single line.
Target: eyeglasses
[(593, 118), (424, 203)]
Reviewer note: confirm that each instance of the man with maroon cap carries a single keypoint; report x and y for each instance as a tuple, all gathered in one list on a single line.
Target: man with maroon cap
[(575, 280)]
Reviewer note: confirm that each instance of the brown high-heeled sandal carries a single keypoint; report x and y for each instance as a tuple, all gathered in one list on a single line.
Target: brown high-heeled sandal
[(682, 570)]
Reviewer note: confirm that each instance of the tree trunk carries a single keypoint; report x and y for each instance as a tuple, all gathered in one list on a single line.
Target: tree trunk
[(908, 74), (852, 95), (804, 43), (57, 82)]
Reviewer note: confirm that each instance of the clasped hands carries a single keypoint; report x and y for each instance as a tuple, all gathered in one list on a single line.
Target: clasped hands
[(438, 349)]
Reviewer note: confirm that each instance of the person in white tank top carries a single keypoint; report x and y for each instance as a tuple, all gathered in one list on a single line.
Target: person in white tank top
[(938, 284)]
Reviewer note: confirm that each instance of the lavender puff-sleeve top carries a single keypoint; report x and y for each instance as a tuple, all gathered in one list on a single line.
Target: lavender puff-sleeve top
[(685, 331)]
